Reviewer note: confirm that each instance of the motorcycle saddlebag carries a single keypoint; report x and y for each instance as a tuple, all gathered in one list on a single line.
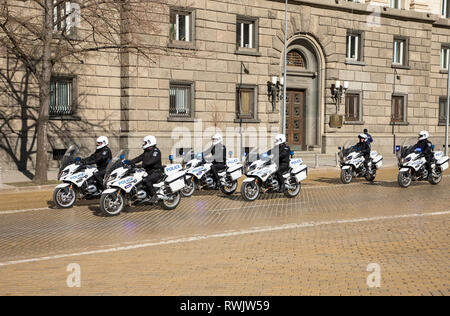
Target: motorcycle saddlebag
[(176, 181), (235, 171), (300, 173), (443, 163)]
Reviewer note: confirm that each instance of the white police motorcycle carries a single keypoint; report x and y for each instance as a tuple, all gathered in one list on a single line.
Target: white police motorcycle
[(261, 178), (352, 163), (199, 176), (78, 180), (125, 186), (412, 164)]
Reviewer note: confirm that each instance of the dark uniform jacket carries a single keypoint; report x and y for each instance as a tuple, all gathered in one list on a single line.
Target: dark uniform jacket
[(218, 152), (427, 148), (364, 148), (101, 158), (151, 160), (284, 154)]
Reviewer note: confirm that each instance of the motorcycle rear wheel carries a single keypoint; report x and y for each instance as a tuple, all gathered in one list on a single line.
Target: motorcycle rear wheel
[(231, 189), (293, 193), (189, 189), (437, 179), (172, 203)]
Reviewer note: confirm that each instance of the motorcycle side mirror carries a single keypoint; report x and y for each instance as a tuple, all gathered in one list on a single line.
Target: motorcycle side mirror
[(292, 154), (170, 158), (122, 157), (432, 147), (230, 153)]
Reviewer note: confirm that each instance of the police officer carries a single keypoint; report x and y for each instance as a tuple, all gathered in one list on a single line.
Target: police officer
[(101, 158), (364, 147), (427, 149), (151, 162), (369, 137), (218, 151), (282, 151)]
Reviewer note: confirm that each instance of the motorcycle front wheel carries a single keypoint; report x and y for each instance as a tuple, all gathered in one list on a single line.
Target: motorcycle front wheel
[(64, 197), (250, 191), (112, 204), (404, 179), (346, 176), (172, 203)]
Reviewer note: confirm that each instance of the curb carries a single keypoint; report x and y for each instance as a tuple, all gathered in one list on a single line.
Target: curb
[(11, 189)]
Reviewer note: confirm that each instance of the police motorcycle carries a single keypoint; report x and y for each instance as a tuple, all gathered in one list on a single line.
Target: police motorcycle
[(199, 176), (352, 163), (78, 180), (261, 178), (412, 164), (125, 187)]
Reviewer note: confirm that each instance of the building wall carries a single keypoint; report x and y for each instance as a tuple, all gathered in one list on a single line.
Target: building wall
[(129, 102)]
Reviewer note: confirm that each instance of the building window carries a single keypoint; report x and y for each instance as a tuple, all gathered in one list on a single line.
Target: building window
[(181, 99), (246, 34), (295, 59), (61, 97), (246, 101), (182, 26), (445, 57), (66, 16), (445, 9), (354, 46), (395, 4), (443, 110), (353, 107), (399, 109), (400, 51)]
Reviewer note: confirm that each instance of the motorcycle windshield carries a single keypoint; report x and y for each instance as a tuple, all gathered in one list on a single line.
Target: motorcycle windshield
[(407, 147), (347, 148), (116, 162), (69, 157)]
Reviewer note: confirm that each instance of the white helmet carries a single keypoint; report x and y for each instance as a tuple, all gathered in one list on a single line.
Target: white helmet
[(424, 135), (280, 139), (216, 139), (149, 141), (363, 136), (102, 141)]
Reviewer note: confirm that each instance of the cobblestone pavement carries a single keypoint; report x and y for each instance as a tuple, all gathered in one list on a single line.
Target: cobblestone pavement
[(319, 243)]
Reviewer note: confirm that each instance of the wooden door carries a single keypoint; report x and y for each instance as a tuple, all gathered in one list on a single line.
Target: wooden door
[(295, 104)]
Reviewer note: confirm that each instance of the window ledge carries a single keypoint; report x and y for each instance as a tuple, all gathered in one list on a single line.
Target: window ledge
[(182, 45), (398, 66), (248, 52), (355, 62), (399, 123), (443, 71), (442, 123), (247, 120), (180, 119), (64, 118), (354, 122)]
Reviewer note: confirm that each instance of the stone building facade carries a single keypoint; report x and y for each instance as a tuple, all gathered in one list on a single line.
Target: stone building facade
[(218, 56)]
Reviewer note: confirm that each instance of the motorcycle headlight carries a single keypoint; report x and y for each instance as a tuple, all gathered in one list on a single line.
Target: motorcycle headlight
[(112, 177)]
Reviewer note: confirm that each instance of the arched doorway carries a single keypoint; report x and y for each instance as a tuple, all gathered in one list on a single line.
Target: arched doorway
[(303, 95)]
